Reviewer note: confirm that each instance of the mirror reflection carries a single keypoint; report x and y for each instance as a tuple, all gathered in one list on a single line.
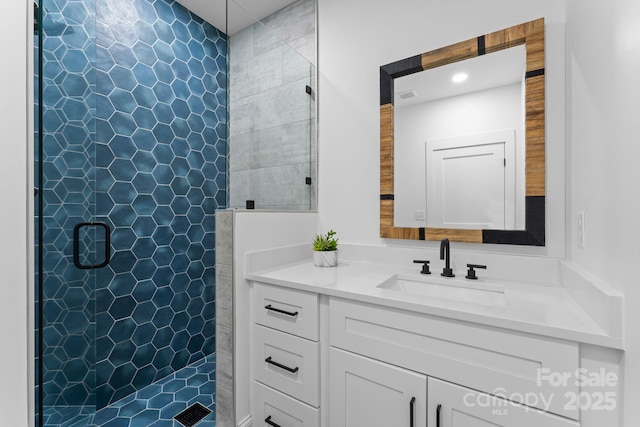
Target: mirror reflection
[(460, 144)]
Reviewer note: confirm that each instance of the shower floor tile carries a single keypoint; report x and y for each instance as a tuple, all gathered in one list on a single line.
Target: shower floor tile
[(154, 405), (67, 416)]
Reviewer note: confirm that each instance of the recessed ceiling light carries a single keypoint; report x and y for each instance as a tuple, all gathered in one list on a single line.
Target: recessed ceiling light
[(460, 77)]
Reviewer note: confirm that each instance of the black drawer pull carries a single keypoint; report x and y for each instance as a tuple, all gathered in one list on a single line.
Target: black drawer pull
[(277, 310), (411, 411), (438, 409), (271, 423), (286, 368)]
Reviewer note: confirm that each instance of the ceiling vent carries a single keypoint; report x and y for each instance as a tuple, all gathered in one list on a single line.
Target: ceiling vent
[(407, 94)]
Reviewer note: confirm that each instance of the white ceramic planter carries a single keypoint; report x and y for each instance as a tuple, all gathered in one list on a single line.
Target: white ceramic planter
[(325, 258)]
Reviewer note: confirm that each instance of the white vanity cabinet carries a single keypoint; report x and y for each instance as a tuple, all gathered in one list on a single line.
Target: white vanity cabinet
[(465, 365), (285, 357), (367, 393), (491, 360), (337, 362), (451, 405)]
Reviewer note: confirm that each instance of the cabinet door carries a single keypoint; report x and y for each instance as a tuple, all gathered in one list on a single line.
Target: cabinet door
[(367, 393), (451, 405)]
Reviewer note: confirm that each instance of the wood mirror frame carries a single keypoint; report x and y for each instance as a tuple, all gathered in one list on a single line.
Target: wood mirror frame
[(531, 34)]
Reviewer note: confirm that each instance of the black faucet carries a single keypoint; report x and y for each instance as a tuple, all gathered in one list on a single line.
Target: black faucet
[(445, 254)]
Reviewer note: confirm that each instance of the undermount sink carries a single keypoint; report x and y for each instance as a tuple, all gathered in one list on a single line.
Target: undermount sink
[(462, 290)]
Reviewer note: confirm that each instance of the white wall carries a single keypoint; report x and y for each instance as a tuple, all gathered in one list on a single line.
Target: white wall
[(14, 324), (354, 44), (603, 65), (478, 112)]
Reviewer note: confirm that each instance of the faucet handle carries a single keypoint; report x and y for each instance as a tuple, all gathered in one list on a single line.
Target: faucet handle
[(471, 273), (425, 266)]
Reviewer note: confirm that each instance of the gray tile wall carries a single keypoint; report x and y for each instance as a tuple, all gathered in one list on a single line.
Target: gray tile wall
[(224, 319), (272, 140)]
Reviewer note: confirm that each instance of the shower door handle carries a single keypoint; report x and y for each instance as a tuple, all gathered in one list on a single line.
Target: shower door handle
[(76, 245)]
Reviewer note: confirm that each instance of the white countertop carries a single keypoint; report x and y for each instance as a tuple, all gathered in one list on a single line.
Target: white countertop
[(525, 307)]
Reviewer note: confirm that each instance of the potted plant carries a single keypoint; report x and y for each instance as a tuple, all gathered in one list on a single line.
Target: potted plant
[(325, 250)]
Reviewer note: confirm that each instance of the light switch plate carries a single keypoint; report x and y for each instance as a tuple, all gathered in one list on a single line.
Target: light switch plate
[(582, 238)]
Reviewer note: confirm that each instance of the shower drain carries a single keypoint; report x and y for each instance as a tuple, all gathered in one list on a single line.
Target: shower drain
[(192, 415)]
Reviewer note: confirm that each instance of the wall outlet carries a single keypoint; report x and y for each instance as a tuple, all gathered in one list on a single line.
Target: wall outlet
[(582, 238), (420, 215)]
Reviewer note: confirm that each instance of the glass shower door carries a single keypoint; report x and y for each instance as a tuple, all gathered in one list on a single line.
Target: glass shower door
[(132, 133), (71, 244)]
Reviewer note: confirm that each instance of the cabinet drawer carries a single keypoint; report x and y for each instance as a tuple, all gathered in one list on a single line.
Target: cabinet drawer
[(460, 406), (292, 366), (283, 410), (481, 357), (288, 310)]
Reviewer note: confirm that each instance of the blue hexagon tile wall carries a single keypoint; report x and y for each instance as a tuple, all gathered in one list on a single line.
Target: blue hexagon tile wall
[(161, 160)]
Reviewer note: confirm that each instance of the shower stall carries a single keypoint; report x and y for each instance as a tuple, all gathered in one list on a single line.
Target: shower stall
[(147, 120), (131, 140)]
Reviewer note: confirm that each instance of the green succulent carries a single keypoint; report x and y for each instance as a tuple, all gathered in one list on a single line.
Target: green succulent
[(325, 242)]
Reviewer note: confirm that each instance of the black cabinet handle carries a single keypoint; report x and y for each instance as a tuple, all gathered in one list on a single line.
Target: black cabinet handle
[(271, 423), (277, 310), (76, 245), (438, 410), (411, 411), (286, 368)]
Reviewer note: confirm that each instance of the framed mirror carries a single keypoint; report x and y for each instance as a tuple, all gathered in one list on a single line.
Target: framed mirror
[(476, 174)]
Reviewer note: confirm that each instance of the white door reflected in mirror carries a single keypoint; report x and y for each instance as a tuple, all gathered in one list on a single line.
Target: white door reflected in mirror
[(470, 182), (478, 111)]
